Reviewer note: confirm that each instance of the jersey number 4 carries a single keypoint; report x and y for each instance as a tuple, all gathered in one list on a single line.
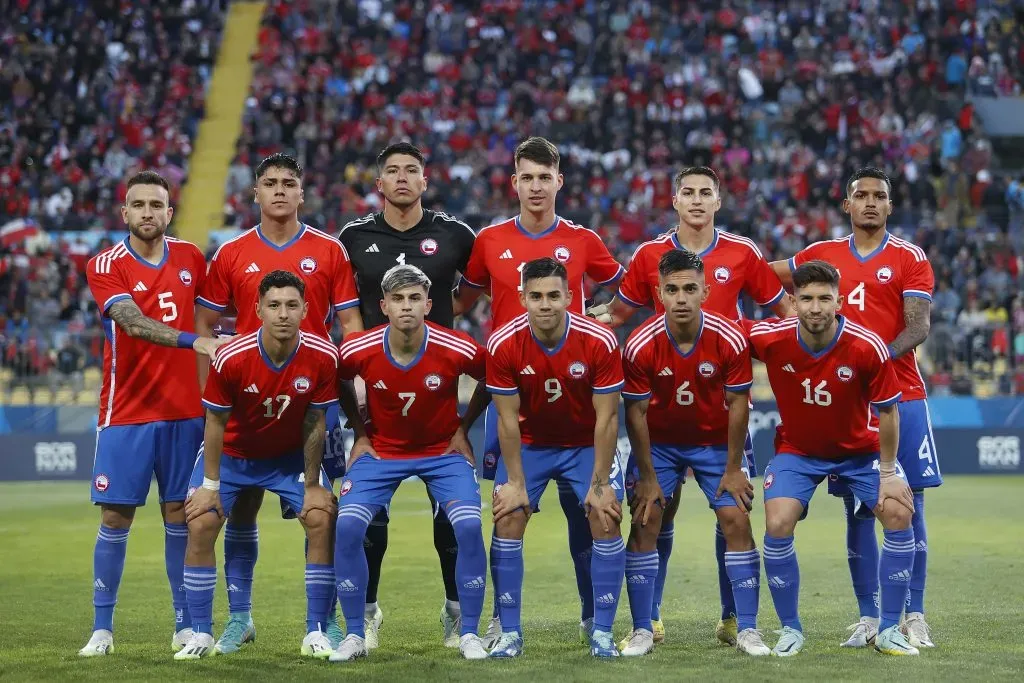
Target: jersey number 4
[(856, 297)]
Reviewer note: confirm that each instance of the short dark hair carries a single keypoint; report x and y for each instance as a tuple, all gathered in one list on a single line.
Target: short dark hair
[(279, 279), (544, 267), (279, 160), (695, 170), (679, 260), (148, 178), (400, 148), (538, 150), (815, 272), (868, 172)]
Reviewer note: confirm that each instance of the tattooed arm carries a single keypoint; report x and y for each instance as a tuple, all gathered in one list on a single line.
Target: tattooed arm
[(130, 318), (917, 318), (314, 432)]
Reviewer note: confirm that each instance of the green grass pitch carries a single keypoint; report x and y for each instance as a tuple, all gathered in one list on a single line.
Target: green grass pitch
[(975, 599)]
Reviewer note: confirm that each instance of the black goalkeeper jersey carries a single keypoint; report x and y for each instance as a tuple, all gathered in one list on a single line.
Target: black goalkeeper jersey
[(439, 245)]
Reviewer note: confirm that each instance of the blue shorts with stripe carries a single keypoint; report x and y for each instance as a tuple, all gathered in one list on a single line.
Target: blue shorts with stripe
[(129, 456), (796, 476), (372, 482), (570, 465), (671, 463), (916, 453), (283, 475)]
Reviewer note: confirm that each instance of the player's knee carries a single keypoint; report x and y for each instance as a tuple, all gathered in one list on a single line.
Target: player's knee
[(778, 526), (643, 538), (600, 533), (117, 516), (735, 527), (350, 531), (894, 516), (317, 522), (511, 526), (202, 531)]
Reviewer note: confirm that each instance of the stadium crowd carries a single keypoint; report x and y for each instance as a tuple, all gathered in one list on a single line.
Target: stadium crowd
[(782, 99)]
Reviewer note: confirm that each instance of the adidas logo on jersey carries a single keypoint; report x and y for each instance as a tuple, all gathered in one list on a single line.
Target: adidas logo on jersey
[(252, 389), (347, 586), (507, 254), (478, 582), (902, 576), (788, 367), (139, 287), (665, 372), (373, 249), (527, 371), (928, 472), (253, 268), (776, 582), (506, 599), (380, 385), (100, 586), (606, 599), (750, 582)]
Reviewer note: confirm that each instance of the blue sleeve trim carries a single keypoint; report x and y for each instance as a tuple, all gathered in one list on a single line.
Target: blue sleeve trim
[(792, 263), (888, 402), (739, 388), (502, 391), (917, 294), (626, 300), (351, 303), (113, 300), (324, 404), (618, 274), (609, 389), (636, 397), (206, 303), (777, 299), (464, 281), (215, 407)]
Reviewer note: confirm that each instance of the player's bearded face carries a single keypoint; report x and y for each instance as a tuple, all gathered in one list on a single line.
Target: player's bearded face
[(816, 306), (537, 186), (147, 211), (281, 309), (696, 201), (279, 193), (406, 308), (402, 181), (868, 203), (682, 294), (545, 300)]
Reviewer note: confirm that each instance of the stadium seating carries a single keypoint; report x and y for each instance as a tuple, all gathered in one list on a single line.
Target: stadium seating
[(784, 104)]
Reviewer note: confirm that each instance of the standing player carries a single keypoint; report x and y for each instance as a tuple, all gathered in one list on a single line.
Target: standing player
[(150, 419), (266, 401), (412, 370), (279, 242), (829, 375), (439, 245), (887, 285), (561, 372), (735, 265), (687, 394), (499, 255)]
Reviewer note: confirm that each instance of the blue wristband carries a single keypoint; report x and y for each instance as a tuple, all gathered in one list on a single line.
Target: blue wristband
[(186, 340), (892, 352)]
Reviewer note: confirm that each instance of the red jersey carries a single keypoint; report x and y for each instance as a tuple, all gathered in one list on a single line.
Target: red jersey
[(501, 251), (874, 287), (825, 398), (732, 265), (268, 403), (555, 386), (142, 381), (321, 261), (413, 409), (687, 390)]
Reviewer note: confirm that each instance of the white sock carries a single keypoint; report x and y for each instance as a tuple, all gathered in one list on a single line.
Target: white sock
[(371, 609), (453, 608)]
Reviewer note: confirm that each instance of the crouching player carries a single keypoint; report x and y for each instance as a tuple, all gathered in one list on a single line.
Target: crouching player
[(688, 378), (265, 400), (829, 376), (411, 369)]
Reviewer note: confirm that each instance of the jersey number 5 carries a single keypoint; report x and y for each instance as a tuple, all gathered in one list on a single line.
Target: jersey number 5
[(170, 310)]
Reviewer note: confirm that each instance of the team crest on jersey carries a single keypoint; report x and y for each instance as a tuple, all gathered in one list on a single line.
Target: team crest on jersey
[(302, 384), (768, 480), (185, 275), (432, 381), (722, 275), (884, 274), (844, 373), (562, 253), (346, 486), (707, 369), (490, 460), (101, 482), (428, 246), (308, 265), (577, 370)]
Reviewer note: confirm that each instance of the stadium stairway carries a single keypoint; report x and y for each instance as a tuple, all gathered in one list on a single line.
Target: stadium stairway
[(202, 201)]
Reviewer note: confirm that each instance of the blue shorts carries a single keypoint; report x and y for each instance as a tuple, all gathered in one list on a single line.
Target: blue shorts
[(916, 453), (282, 475), (633, 472), (796, 476), (127, 457), (492, 449), (450, 478), (671, 463), (573, 465)]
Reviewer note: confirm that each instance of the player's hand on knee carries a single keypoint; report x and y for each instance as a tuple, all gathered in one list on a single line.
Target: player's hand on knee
[(317, 497), (507, 499), (735, 481), (647, 494), (202, 501), (892, 486), (361, 447), (602, 505), (460, 444)]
